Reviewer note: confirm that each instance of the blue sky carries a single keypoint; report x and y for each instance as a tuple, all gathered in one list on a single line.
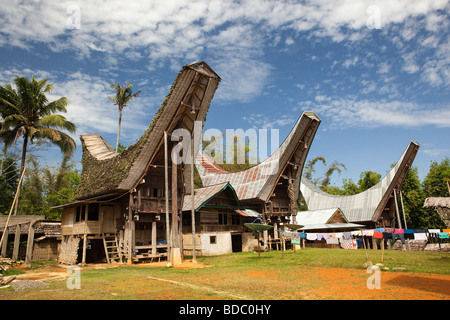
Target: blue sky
[(376, 72)]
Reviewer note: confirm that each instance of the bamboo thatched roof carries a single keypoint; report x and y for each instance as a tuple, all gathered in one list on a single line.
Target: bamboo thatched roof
[(106, 173)]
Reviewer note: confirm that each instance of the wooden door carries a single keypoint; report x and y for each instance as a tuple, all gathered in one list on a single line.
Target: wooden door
[(108, 218)]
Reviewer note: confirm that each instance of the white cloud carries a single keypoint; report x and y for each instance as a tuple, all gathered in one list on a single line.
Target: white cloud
[(342, 113), (221, 32), (261, 121)]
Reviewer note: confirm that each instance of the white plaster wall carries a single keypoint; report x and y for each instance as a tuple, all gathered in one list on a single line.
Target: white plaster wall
[(222, 245)]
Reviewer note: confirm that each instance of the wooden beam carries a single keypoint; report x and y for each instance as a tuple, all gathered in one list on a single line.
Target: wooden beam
[(130, 236), (166, 196), (30, 244), (15, 255), (5, 242)]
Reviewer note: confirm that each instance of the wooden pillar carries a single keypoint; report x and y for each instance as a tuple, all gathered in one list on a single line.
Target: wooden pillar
[(194, 253), (166, 195), (396, 210), (129, 228), (176, 252), (154, 238), (86, 212), (30, 244), (403, 209), (15, 255), (5, 242)]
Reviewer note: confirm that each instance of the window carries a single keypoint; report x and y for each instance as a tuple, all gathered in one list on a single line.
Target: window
[(236, 219), (80, 213), (223, 218), (93, 212), (212, 240)]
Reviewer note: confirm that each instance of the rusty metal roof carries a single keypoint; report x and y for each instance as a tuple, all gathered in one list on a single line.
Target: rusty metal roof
[(259, 181)]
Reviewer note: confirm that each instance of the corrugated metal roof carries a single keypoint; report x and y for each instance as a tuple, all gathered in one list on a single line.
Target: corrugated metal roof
[(203, 195), (367, 205), (306, 218), (334, 226), (258, 181)]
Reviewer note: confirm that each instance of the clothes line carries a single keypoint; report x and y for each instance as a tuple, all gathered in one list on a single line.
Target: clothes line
[(347, 241)]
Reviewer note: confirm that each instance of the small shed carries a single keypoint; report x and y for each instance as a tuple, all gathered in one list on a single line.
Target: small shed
[(43, 237), (325, 220), (219, 221)]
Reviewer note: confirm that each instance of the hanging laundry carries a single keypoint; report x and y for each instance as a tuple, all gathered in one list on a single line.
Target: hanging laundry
[(434, 230), (408, 230), (379, 230), (446, 230), (399, 231), (387, 235), (389, 230), (347, 235), (420, 236), (400, 236), (303, 235), (378, 235), (311, 236), (332, 241), (295, 239), (349, 244), (443, 235), (368, 233)]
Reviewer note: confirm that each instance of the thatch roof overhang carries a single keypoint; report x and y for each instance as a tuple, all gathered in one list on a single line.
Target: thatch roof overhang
[(259, 182), (368, 205), (107, 174)]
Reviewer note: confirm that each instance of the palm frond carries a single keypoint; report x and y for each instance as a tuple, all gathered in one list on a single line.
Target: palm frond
[(57, 121)]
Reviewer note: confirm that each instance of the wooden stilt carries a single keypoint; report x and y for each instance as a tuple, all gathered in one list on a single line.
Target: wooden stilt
[(15, 254), (30, 244), (176, 253), (194, 253), (166, 194)]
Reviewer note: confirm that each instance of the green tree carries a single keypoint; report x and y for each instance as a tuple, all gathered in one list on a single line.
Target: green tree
[(368, 179), (310, 164), (123, 95), (27, 114), (9, 178), (335, 166), (435, 183)]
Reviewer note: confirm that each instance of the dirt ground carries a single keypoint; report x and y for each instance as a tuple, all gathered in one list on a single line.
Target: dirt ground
[(317, 282), (351, 284)]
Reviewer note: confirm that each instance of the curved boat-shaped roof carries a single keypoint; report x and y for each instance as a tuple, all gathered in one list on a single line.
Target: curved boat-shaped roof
[(367, 205), (259, 181), (108, 173)]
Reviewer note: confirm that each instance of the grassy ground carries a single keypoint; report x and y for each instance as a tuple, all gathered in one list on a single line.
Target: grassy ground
[(306, 274)]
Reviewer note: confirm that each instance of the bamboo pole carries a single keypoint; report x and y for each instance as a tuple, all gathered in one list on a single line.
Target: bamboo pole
[(166, 193), (403, 209), (396, 210), (12, 206)]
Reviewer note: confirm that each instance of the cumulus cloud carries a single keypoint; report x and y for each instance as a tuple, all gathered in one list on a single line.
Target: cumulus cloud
[(343, 113), (172, 31)]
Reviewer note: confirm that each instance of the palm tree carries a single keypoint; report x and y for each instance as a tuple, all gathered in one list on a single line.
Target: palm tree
[(26, 113), (121, 99)]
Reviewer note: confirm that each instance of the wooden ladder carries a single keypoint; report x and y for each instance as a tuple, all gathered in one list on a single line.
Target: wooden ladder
[(112, 251)]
